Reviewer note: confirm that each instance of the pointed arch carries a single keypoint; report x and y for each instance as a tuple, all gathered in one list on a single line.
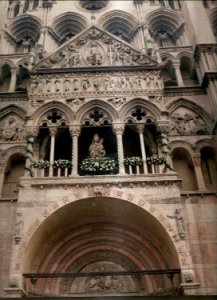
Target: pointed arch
[(96, 104), (52, 106), (182, 102), (9, 109), (152, 110)]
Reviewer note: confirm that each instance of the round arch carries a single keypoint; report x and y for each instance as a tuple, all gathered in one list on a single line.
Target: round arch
[(31, 28), (8, 62), (99, 233)]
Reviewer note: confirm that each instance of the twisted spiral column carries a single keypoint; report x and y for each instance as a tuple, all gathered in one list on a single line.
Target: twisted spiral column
[(75, 132), (119, 129)]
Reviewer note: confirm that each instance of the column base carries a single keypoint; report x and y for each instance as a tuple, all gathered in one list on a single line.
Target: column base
[(190, 288), (14, 292)]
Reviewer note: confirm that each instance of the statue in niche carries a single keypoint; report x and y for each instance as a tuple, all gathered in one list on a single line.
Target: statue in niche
[(179, 222), (95, 56), (76, 85), (57, 86), (48, 85), (66, 85), (85, 84), (96, 148), (11, 130)]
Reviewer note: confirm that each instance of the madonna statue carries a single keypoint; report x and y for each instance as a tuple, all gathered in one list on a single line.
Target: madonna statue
[(96, 148)]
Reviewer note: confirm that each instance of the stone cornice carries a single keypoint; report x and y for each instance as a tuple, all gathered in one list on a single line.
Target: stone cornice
[(16, 96), (92, 69), (184, 91), (125, 181), (207, 77)]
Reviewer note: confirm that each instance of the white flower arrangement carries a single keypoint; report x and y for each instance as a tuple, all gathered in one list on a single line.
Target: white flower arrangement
[(42, 164), (156, 160), (62, 163), (159, 160), (98, 166), (133, 161)]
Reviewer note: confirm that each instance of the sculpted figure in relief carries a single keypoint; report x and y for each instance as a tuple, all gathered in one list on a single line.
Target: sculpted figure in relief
[(95, 56), (12, 131), (96, 148), (66, 85)]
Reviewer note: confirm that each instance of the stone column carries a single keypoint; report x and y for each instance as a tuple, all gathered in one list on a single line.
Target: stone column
[(21, 8), (13, 81), (179, 79), (53, 131), (31, 5), (166, 3), (140, 128), (176, 4), (198, 172), (212, 92), (75, 132), (2, 175), (119, 129)]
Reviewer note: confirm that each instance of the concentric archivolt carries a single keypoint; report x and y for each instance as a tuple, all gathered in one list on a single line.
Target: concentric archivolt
[(119, 23), (68, 25)]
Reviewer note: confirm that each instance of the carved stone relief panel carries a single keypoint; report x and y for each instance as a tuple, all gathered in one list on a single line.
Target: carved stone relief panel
[(185, 121), (83, 85), (95, 48), (11, 129), (103, 284)]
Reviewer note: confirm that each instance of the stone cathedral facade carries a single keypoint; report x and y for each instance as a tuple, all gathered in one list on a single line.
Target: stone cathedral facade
[(108, 166)]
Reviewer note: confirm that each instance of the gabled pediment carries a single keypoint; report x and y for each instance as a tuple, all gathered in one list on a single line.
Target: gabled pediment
[(95, 48)]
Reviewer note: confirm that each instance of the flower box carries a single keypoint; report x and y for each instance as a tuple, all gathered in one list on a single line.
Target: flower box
[(98, 166)]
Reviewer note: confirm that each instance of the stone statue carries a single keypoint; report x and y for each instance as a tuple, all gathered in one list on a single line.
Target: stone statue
[(96, 148), (179, 222), (95, 56)]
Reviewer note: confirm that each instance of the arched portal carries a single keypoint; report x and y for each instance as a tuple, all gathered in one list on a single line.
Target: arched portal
[(102, 237)]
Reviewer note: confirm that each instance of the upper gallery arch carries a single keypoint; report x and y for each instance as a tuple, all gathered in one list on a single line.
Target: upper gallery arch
[(23, 29), (119, 23), (165, 24), (67, 25)]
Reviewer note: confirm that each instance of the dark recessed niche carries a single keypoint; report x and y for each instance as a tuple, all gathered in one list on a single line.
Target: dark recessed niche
[(93, 4)]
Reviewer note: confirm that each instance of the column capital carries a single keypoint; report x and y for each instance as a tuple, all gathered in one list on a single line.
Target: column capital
[(2, 166), (163, 126), (197, 160), (75, 130), (118, 128), (53, 130), (14, 70), (31, 131), (140, 127), (176, 64)]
